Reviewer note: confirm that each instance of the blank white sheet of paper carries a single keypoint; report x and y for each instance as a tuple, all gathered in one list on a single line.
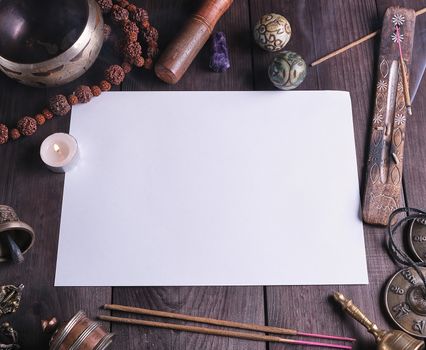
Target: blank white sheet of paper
[(212, 188)]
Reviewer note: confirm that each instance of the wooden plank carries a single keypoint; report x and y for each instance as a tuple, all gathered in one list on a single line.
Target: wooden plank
[(243, 304), (318, 28), (36, 194)]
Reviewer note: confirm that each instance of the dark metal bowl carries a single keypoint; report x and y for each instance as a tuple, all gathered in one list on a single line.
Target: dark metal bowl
[(49, 42)]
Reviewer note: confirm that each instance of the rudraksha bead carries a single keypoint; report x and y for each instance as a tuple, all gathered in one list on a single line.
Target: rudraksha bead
[(131, 8), (14, 134), (119, 14), (105, 85), (115, 74), (127, 67), (72, 99), (139, 15), (105, 5), (131, 50), (150, 34), (40, 119), (139, 61), (27, 126), (59, 105), (96, 90), (123, 3), (148, 63), (83, 93), (130, 26), (4, 134), (47, 114)]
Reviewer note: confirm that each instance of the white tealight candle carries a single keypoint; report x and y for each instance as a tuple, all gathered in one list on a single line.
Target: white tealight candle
[(59, 152)]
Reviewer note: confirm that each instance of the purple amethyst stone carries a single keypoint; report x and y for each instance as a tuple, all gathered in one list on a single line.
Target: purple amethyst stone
[(219, 61)]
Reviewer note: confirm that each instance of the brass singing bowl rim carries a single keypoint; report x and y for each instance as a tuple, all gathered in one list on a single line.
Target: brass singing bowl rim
[(69, 53), (18, 226)]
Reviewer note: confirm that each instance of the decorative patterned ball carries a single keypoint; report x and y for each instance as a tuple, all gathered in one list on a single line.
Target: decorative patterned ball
[(287, 71), (27, 126), (272, 32), (59, 105), (4, 134)]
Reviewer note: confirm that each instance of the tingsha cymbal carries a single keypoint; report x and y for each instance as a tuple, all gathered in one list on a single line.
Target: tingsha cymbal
[(405, 300)]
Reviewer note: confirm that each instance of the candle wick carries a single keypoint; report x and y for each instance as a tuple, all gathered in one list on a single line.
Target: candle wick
[(56, 148)]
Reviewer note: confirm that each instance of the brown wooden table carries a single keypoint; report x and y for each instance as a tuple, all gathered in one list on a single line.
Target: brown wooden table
[(319, 26)]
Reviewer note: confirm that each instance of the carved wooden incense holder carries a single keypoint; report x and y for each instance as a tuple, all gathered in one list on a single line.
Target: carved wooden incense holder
[(180, 53), (385, 160)]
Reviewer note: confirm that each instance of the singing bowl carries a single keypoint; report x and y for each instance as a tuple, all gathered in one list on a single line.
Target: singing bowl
[(49, 42)]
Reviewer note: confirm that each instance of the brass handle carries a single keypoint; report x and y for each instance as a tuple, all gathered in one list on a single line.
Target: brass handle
[(358, 315)]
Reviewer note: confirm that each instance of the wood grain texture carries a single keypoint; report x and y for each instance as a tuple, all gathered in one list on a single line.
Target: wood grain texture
[(36, 195), (319, 26), (243, 304)]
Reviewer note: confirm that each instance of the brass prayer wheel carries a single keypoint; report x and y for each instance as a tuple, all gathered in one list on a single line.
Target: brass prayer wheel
[(80, 333), (13, 229)]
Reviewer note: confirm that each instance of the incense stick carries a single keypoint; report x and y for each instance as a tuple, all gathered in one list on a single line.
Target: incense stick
[(216, 322), (404, 73), (219, 332), (355, 43)]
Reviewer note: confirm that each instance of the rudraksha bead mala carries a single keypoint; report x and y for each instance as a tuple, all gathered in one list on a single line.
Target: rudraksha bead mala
[(138, 36)]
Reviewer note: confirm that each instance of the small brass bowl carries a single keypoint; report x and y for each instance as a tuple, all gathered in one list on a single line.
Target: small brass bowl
[(19, 231), (49, 42)]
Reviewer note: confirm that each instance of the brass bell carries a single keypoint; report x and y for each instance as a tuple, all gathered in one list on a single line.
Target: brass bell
[(386, 340), (16, 237)]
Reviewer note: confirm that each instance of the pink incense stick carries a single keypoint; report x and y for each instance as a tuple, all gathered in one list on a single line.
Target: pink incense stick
[(324, 345), (325, 336)]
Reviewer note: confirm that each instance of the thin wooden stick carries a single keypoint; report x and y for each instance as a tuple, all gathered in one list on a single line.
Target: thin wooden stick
[(355, 43), (223, 323), (219, 332), (404, 73)]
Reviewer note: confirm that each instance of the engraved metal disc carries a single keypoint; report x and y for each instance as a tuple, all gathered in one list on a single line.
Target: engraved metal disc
[(417, 238), (405, 300)]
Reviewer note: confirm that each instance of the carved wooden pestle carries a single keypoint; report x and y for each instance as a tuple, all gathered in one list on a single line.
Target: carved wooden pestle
[(386, 340), (180, 53)]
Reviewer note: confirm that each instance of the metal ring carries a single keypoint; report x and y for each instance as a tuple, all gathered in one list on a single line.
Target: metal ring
[(70, 325), (84, 335), (105, 342)]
